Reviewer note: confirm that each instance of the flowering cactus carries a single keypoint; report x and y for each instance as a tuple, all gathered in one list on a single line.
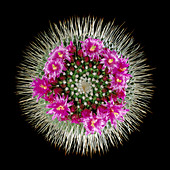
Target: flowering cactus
[(87, 87)]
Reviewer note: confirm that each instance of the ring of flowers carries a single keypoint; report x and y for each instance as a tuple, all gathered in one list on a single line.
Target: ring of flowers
[(84, 84)]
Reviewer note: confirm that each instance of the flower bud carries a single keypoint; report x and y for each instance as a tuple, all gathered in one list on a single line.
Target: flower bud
[(78, 62), (90, 65), (99, 66), (62, 77), (94, 106), (86, 59), (73, 108), (80, 53), (72, 68)]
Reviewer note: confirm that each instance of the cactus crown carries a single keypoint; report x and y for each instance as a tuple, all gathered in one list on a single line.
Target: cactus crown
[(85, 85)]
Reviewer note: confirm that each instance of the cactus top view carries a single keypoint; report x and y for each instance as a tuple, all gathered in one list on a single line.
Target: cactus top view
[(84, 85)]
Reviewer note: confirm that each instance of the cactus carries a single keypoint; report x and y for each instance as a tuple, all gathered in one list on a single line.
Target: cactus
[(84, 85)]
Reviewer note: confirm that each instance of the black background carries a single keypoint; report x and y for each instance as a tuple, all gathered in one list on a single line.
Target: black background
[(146, 20)]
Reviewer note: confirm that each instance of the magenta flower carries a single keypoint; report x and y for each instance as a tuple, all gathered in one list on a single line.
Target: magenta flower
[(92, 48), (71, 48), (41, 87), (75, 119), (53, 68), (110, 60), (118, 81), (122, 65), (114, 111), (121, 93), (92, 123), (60, 108), (86, 113), (61, 53)]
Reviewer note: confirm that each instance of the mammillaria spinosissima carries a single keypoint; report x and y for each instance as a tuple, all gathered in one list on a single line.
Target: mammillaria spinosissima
[(85, 86)]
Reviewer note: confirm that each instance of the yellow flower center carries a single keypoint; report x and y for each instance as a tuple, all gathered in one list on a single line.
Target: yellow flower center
[(60, 108), (118, 80), (60, 55), (92, 123), (54, 67), (110, 60), (92, 48), (122, 69), (113, 112), (44, 87)]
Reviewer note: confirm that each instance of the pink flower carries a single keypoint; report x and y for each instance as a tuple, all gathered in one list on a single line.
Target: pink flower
[(102, 111), (92, 123), (71, 48), (119, 81), (115, 112), (110, 60), (121, 93), (75, 119), (119, 75), (122, 65), (60, 108), (92, 48), (41, 87), (86, 113), (53, 68), (61, 53)]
